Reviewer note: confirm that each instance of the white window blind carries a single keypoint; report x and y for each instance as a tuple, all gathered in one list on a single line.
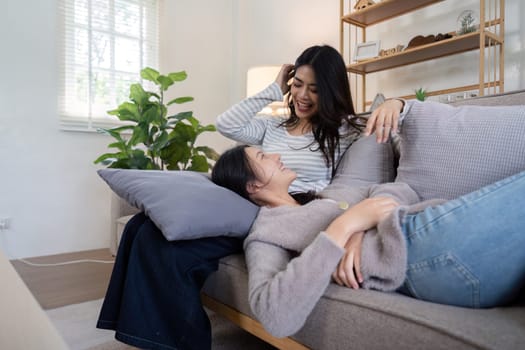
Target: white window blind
[(104, 45)]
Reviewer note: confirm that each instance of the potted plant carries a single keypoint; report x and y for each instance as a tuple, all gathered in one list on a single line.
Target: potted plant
[(421, 94), (152, 139), (467, 22)]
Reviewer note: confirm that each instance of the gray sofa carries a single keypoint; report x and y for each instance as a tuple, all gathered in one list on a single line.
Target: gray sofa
[(365, 319)]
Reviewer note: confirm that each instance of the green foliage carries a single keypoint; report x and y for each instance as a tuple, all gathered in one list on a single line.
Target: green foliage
[(421, 94), (467, 24), (154, 140)]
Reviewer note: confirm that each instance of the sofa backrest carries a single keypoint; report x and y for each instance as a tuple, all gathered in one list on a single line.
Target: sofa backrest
[(447, 151)]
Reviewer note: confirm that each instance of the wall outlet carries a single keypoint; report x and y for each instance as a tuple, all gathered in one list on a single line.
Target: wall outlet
[(5, 223)]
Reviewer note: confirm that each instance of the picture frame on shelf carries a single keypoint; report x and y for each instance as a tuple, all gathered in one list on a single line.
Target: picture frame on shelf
[(367, 50)]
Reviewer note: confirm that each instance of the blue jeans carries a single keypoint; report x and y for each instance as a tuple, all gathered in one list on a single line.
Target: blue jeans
[(153, 298), (469, 251)]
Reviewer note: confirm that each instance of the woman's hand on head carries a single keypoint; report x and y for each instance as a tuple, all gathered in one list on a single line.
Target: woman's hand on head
[(285, 74), (384, 119), (360, 217), (348, 272)]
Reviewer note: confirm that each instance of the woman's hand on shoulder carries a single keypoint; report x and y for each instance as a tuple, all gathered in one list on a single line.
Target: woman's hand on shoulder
[(384, 119), (284, 76), (348, 272)]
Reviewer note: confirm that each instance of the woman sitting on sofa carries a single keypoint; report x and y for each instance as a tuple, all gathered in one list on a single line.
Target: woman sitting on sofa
[(293, 249), (322, 122)]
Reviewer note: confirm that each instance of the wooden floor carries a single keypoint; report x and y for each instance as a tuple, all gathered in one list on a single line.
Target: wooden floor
[(55, 286)]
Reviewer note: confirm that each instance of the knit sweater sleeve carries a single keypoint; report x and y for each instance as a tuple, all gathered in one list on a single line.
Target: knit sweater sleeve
[(240, 122), (383, 251), (284, 289), (290, 227)]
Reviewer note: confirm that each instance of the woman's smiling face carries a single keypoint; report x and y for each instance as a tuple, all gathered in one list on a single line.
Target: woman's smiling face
[(304, 92), (269, 169)]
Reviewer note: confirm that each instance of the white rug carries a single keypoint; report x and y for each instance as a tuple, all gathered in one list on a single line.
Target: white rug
[(76, 323)]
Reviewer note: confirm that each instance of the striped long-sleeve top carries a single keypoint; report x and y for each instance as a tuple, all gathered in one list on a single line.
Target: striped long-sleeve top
[(299, 153)]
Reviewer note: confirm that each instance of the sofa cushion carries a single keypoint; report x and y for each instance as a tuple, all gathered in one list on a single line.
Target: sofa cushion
[(448, 151), (183, 204), (366, 319)]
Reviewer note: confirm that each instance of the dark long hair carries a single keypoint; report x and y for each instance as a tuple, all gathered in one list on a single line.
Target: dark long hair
[(233, 171), (335, 101)]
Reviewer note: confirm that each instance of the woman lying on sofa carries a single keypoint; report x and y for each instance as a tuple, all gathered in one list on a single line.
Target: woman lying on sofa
[(293, 249)]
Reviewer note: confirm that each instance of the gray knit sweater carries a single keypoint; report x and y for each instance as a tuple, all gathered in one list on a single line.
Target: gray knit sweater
[(290, 259)]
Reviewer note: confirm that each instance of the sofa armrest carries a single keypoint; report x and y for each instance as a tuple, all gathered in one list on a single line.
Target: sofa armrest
[(119, 208)]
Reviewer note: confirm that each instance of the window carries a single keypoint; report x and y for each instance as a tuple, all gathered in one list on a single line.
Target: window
[(104, 45)]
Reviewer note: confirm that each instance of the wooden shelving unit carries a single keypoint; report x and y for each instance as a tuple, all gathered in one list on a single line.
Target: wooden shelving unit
[(385, 10), (488, 40)]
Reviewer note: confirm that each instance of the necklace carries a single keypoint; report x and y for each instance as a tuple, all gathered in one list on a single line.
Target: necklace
[(343, 205)]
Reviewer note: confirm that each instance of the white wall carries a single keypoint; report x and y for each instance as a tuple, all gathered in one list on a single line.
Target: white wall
[(216, 42), (48, 183), (196, 36)]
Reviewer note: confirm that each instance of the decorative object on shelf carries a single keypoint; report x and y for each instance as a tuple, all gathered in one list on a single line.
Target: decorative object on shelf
[(448, 98), (420, 40), (153, 139), (368, 50), (391, 51), (362, 4), (445, 36), (467, 22), (421, 94), (424, 40)]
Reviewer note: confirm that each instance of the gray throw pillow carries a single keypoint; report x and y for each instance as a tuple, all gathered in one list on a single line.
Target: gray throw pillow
[(366, 162), (183, 204), (449, 151)]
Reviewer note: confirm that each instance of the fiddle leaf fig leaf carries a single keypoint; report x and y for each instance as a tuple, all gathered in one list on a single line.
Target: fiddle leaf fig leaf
[(198, 163), (121, 145), (139, 160), (165, 82), (180, 100), (138, 95), (128, 111), (152, 116), (178, 76), (115, 132), (182, 115), (160, 142), (176, 155), (183, 132), (140, 135), (209, 152), (209, 128), (106, 158), (149, 74), (194, 123)]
